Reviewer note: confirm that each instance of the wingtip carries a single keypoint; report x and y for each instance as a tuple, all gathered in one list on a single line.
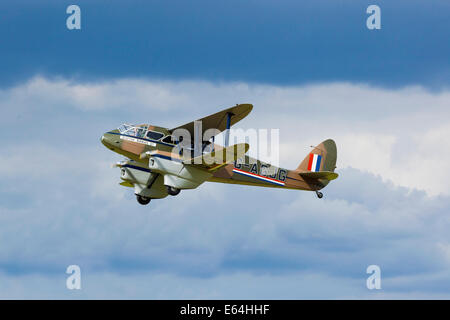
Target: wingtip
[(248, 105)]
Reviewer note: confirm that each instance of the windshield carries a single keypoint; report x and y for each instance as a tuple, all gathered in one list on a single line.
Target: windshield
[(123, 128), (133, 130), (139, 131)]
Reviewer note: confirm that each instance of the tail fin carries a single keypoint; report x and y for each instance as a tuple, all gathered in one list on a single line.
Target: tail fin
[(322, 158)]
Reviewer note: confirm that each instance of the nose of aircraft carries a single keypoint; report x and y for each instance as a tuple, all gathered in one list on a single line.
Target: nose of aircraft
[(111, 139)]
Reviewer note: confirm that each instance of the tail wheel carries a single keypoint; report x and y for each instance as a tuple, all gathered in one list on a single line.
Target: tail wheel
[(319, 194), (143, 200), (173, 191)]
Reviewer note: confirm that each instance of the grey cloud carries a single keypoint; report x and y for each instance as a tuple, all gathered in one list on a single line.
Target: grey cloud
[(61, 204)]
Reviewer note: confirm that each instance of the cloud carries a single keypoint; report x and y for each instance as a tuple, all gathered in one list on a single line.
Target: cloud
[(61, 203), (92, 96), (397, 134)]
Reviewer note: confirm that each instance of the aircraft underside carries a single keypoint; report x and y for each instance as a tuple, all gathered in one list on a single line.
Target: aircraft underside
[(165, 177)]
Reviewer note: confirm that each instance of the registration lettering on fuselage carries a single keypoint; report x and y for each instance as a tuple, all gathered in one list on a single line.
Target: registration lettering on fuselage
[(263, 169), (149, 143)]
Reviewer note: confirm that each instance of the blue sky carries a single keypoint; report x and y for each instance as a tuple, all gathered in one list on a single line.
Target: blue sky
[(382, 95), (284, 42)]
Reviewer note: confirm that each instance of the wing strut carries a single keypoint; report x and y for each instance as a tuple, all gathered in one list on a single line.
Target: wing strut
[(227, 130)]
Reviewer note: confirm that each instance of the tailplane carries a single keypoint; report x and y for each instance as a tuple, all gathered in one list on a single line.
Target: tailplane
[(328, 175)]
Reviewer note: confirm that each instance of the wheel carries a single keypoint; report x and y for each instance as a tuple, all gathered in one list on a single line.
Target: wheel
[(173, 191), (319, 194), (143, 200)]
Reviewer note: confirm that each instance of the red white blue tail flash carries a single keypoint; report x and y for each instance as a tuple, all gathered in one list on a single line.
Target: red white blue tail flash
[(314, 162), (257, 176)]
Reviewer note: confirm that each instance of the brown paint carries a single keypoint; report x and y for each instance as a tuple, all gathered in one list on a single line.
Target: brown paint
[(133, 147)]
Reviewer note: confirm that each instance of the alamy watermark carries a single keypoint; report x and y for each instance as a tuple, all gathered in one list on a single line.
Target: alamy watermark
[(373, 22), (73, 281), (73, 22), (374, 280), (264, 144)]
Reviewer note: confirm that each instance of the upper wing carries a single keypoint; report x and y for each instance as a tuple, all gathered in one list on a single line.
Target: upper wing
[(218, 120)]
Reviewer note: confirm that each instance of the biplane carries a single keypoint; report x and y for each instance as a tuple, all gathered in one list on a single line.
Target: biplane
[(161, 161)]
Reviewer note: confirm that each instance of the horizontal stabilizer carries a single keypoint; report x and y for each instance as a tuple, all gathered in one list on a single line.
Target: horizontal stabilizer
[(319, 175), (220, 157)]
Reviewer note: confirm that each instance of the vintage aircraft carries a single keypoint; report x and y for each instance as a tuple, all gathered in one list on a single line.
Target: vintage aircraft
[(163, 162)]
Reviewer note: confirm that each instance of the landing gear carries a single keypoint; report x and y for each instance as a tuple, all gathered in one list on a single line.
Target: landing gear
[(173, 191), (319, 194), (143, 200)]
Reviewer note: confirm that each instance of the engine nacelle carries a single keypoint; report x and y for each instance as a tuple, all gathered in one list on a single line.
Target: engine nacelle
[(145, 182), (178, 175)]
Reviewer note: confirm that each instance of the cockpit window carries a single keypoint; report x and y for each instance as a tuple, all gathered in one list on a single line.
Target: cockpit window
[(124, 128), (133, 130), (140, 131), (154, 135)]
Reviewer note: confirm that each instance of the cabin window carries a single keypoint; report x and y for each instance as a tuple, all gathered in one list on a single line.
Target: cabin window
[(207, 147), (172, 139), (140, 132), (169, 139), (154, 135)]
